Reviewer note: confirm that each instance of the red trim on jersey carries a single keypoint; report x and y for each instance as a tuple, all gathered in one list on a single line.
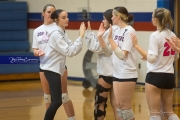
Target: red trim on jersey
[(139, 26)]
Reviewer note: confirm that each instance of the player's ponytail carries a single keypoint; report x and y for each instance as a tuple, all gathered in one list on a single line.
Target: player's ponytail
[(164, 18), (123, 13), (130, 18)]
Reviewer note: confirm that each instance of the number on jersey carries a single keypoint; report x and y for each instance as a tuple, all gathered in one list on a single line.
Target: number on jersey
[(168, 51)]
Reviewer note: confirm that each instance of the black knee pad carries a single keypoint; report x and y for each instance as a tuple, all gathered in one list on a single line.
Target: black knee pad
[(99, 113), (100, 88), (99, 99)]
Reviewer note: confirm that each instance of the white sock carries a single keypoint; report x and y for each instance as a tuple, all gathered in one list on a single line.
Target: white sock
[(173, 117), (155, 117), (72, 118)]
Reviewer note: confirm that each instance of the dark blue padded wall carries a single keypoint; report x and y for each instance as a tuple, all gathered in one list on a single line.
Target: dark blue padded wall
[(13, 6), (13, 19), (14, 37)]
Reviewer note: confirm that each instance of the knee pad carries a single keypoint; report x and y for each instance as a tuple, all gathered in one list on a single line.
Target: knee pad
[(120, 114), (65, 98), (47, 98), (98, 112), (158, 117), (100, 88), (72, 118), (128, 114), (173, 117)]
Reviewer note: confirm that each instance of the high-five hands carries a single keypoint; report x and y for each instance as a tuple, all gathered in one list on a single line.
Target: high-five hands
[(101, 30), (82, 30), (173, 43)]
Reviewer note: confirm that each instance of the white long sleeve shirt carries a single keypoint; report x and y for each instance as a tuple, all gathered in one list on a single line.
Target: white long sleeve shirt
[(58, 48), (104, 64)]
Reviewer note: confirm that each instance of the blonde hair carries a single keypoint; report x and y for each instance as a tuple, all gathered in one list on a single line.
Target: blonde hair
[(164, 17), (123, 16)]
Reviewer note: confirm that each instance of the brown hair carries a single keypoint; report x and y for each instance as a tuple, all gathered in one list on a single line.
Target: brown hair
[(56, 13), (108, 15), (44, 9), (164, 17), (48, 5), (123, 12)]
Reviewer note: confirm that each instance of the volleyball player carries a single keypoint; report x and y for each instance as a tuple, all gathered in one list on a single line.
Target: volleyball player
[(160, 81), (40, 41), (104, 68), (124, 61)]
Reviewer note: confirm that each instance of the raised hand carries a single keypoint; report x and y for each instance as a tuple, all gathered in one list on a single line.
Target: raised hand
[(89, 25), (176, 41), (101, 30), (134, 40), (171, 44), (82, 30)]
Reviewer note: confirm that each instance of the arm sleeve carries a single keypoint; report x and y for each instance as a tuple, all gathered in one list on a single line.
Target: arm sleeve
[(70, 42), (60, 44), (107, 51), (151, 58), (92, 42), (35, 42), (119, 53)]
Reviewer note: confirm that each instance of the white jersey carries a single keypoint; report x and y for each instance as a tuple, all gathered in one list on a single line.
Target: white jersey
[(41, 37), (104, 64), (159, 47), (126, 68), (58, 48)]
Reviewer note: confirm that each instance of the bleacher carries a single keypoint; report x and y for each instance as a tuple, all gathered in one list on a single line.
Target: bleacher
[(14, 41)]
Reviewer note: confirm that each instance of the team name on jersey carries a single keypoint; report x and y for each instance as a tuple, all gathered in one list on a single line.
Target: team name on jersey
[(120, 38), (44, 38), (41, 33)]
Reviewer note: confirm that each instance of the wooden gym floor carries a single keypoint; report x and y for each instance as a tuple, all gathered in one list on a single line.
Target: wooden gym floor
[(23, 100)]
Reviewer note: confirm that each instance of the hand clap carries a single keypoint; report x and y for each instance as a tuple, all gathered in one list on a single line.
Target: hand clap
[(82, 30)]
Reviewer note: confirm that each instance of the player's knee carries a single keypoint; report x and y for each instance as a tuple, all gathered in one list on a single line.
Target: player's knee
[(72, 118), (173, 117), (125, 114), (158, 117), (65, 98), (47, 98)]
